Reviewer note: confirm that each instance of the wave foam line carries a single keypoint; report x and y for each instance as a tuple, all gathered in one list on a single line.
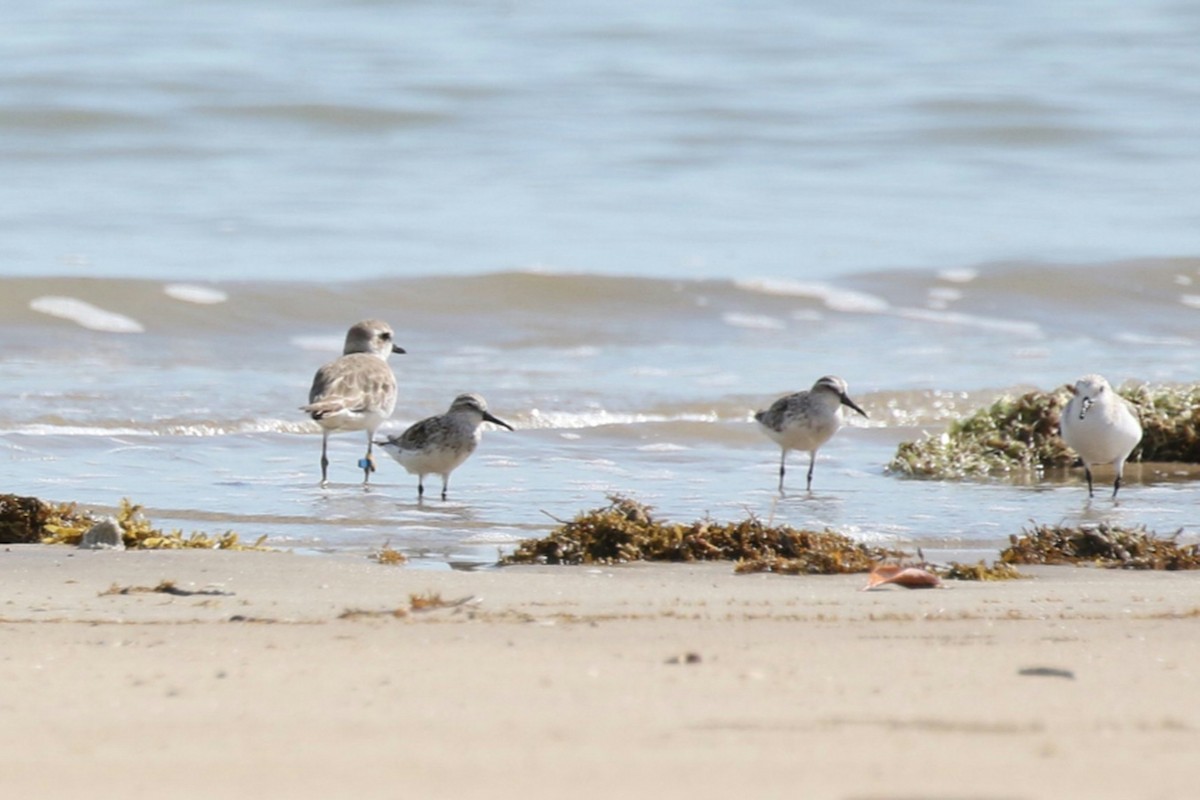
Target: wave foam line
[(844, 300), (85, 314), (189, 293), (596, 419), (1015, 327), (199, 429)]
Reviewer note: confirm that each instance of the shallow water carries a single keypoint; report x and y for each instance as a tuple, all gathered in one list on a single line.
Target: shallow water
[(627, 229), (643, 387)]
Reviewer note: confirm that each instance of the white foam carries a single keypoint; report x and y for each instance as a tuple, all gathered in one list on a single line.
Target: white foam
[(567, 420), (1014, 326), (945, 294), (1190, 300), (189, 293), (756, 322), (845, 300), (326, 344), (41, 429), (264, 425), (1154, 341), (959, 275), (85, 314), (662, 447)]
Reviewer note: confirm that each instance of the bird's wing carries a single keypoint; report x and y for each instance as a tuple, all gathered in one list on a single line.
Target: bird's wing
[(353, 383), (779, 411)]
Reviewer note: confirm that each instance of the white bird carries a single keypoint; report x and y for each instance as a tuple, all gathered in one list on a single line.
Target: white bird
[(357, 392), (806, 420), (1100, 426), (440, 444)]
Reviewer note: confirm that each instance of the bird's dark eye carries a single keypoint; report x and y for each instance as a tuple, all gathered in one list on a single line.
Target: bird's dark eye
[(385, 336)]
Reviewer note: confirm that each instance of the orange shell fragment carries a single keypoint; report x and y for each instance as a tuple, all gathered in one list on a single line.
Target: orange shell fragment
[(908, 577)]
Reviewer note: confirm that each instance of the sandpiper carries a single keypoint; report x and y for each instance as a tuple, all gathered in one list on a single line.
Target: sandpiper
[(356, 392), (806, 420), (440, 444), (1100, 426)]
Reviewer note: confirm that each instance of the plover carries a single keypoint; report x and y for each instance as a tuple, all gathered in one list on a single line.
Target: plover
[(1100, 426), (440, 444), (357, 392), (806, 420)]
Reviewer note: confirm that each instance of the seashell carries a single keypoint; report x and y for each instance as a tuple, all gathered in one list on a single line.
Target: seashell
[(908, 577)]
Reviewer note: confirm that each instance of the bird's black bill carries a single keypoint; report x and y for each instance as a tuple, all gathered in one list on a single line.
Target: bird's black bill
[(846, 401), (496, 420), (398, 349)]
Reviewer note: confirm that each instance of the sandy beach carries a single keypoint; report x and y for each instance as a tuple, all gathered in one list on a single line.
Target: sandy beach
[(282, 675)]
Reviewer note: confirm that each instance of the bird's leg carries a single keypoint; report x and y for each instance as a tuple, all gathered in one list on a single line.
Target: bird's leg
[(1116, 486), (367, 463), (324, 459), (420, 488), (812, 459), (782, 470), (1088, 472), (445, 484)]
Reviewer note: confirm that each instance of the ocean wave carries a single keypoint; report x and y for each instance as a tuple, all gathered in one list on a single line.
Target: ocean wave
[(757, 322), (1015, 327), (190, 293), (85, 314), (496, 312), (190, 429), (835, 298), (576, 420)]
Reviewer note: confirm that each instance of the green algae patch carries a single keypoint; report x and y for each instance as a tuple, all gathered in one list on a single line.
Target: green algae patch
[(1170, 417), (1021, 434), (1012, 434), (66, 524), (626, 531), (1101, 545)]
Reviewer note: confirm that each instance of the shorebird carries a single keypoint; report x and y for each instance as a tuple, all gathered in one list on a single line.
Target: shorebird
[(1100, 426), (356, 392), (806, 420), (440, 444)]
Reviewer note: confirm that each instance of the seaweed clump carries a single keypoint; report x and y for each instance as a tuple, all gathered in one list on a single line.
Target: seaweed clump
[(1022, 434), (980, 571), (1011, 434), (1101, 545), (22, 519), (65, 524), (388, 556), (1170, 417), (625, 531)]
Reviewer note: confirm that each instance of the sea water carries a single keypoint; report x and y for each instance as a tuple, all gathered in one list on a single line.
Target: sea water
[(627, 228)]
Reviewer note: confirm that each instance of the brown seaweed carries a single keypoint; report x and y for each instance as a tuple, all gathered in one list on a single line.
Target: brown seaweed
[(28, 520), (1101, 545), (626, 531), (388, 556)]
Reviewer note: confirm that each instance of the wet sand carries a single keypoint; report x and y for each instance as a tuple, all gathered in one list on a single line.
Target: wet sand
[(252, 680)]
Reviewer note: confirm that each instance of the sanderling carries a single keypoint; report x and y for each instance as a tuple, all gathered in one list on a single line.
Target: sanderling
[(1100, 426), (440, 444), (806, 420), (357, 392)]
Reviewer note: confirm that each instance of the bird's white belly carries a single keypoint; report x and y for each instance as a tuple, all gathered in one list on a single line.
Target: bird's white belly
[(352, 420), (1098, 442), (803, 437), (440, 461)]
